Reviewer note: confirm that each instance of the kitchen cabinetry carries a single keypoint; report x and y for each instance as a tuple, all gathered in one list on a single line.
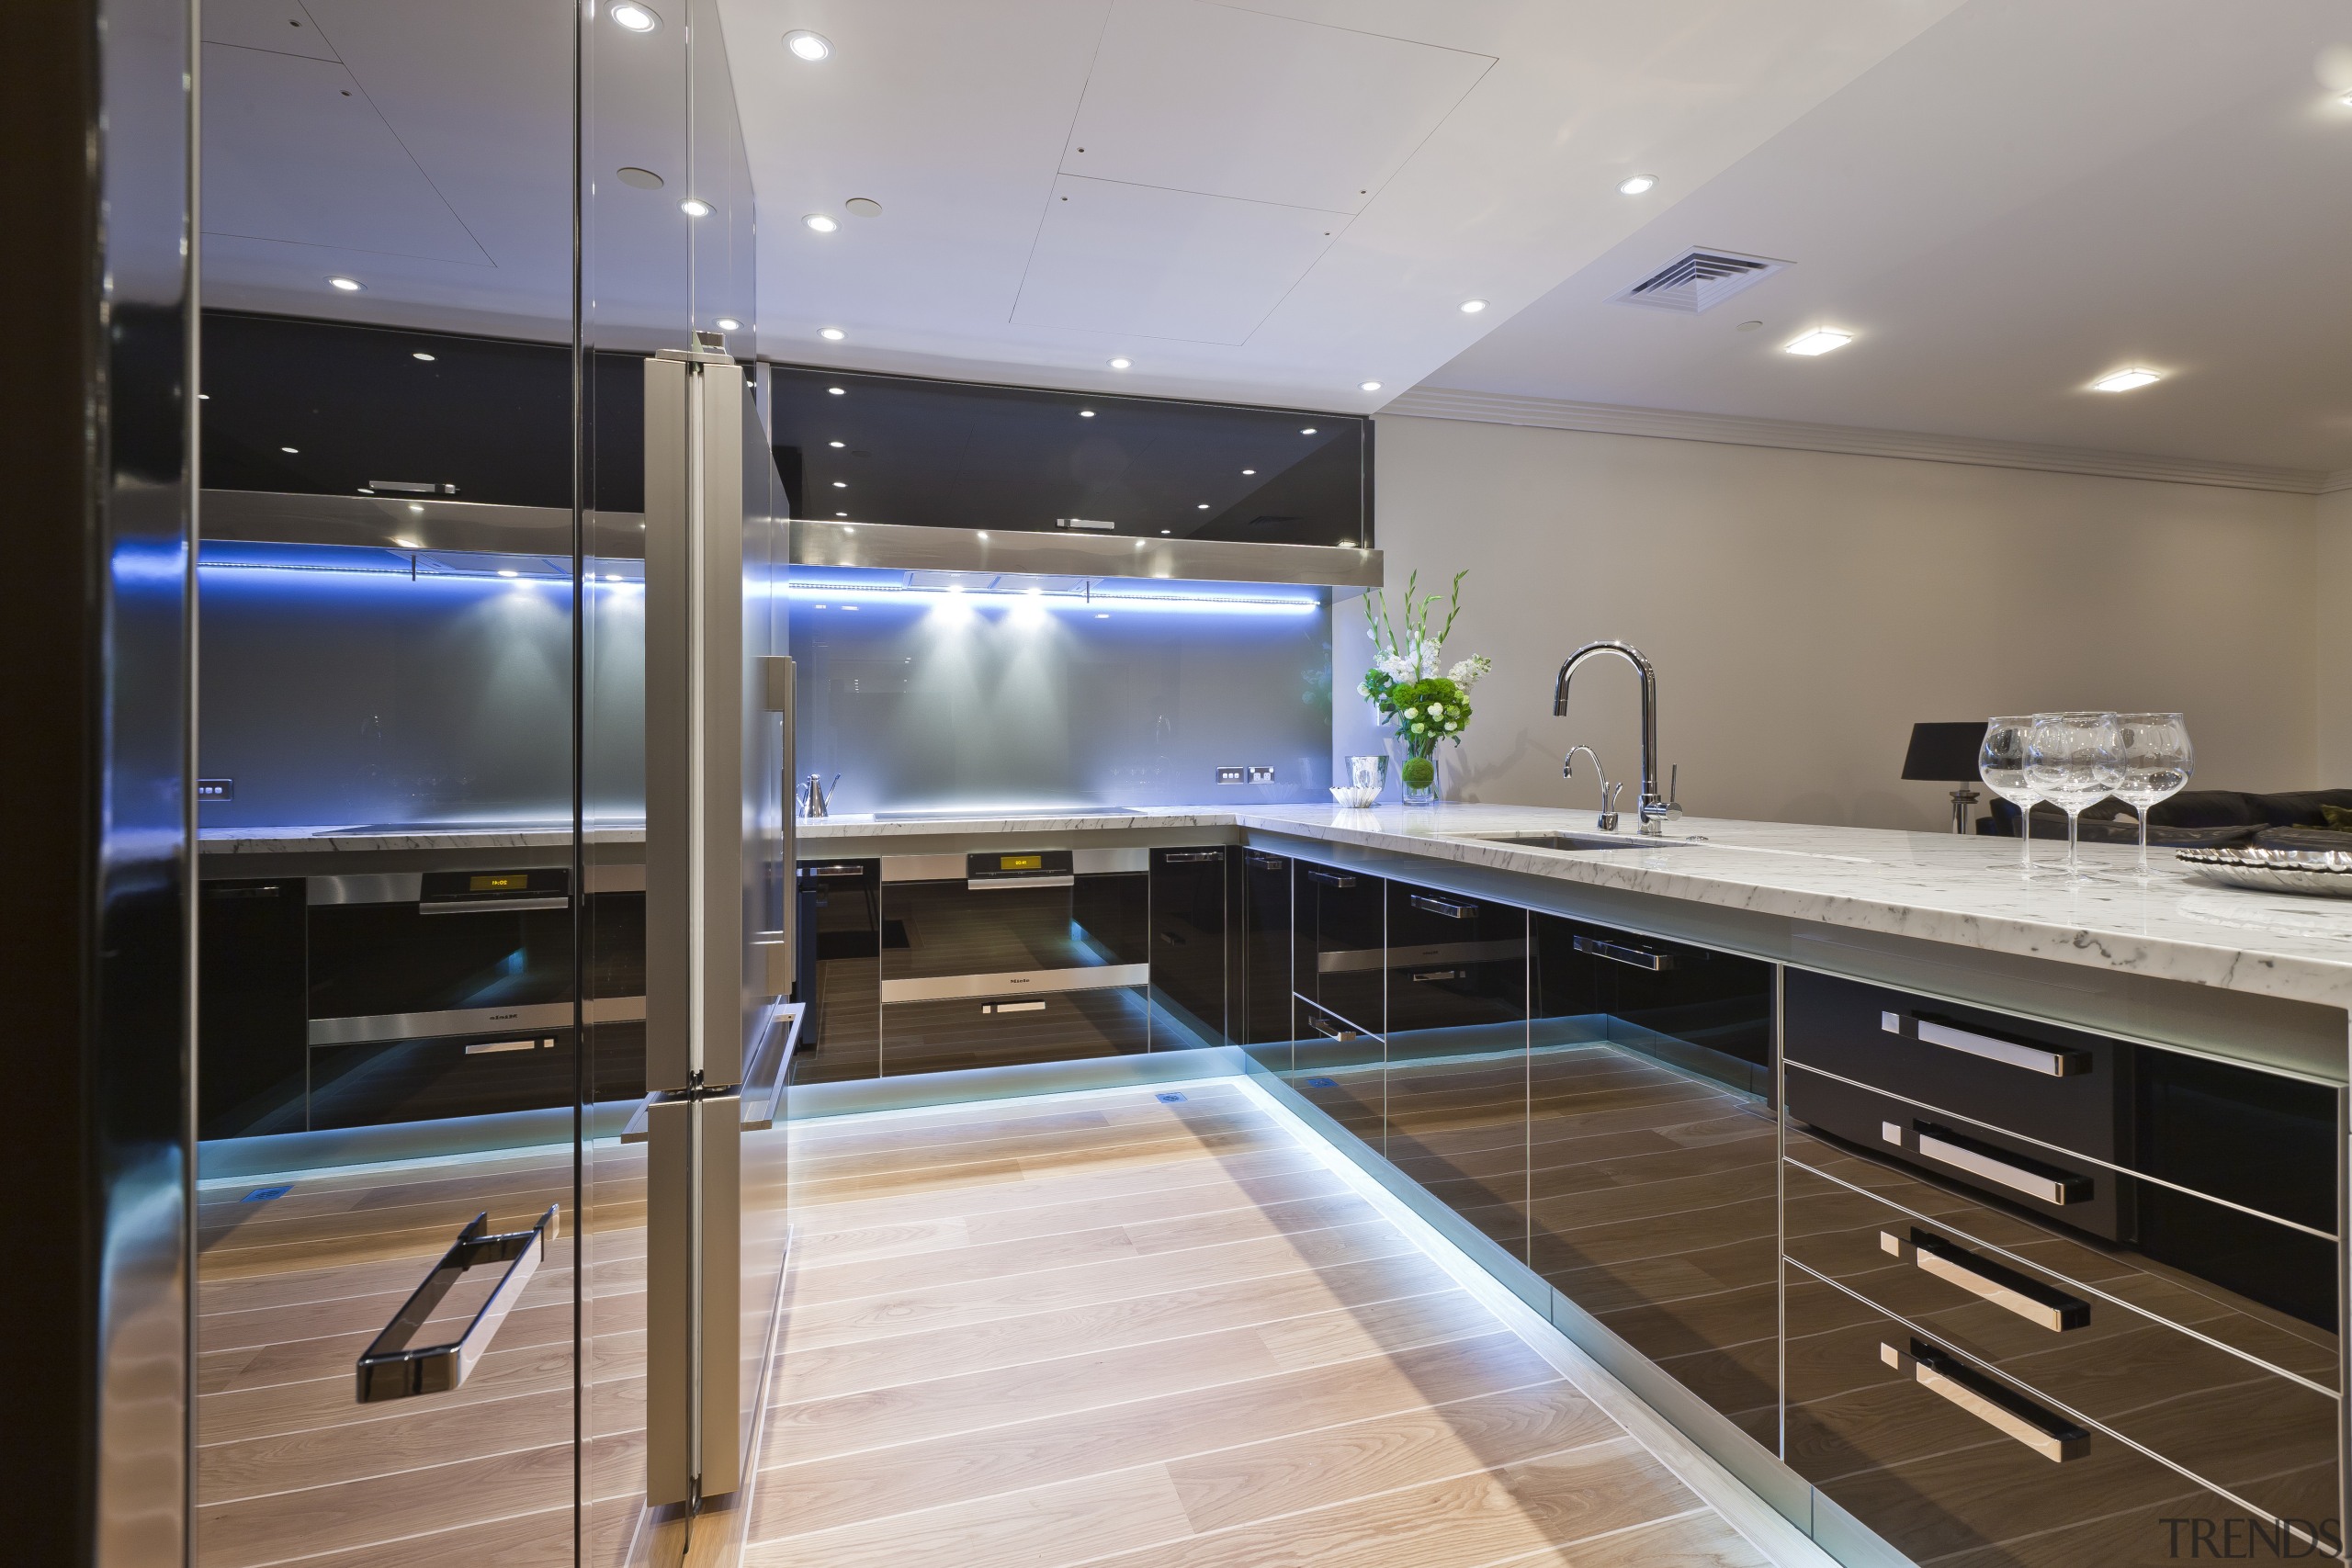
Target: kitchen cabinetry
[(842, 934), (2029, 1267), (250, 1025), (1455, 1086), (1188, 926), (1652, 1189), (1259, 1011), (1340, 933)]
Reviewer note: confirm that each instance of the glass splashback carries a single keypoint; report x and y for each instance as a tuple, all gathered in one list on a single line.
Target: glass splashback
[(1080, 693), (960, 455)]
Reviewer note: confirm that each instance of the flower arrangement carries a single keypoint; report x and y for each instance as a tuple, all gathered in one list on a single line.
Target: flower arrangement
[(1404, 687)]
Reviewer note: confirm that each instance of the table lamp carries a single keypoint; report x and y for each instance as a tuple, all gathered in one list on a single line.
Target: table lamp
[(1947, 753)]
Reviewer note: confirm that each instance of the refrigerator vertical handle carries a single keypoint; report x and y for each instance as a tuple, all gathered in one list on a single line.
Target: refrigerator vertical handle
[(693, 1303), (779, 690)]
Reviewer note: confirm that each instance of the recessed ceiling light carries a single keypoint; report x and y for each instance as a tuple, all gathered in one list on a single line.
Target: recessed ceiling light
[(1748, 326), (1821, 340), (422, 354), (1472, 307), (289, 448), (862, 207), (831, 334), (1249, 470), (841, 514), (1202, 507), (809, 45), (1121, 362), (840, 484), (1086, 413), (837, 444), (636, 178), (1637, 184), (348, 285), (1367, 386), (2125, 381), (634, 18), (1308, 431), (694, 207), (822, 222), (728, 324), (416, 506), (837, 391), (505, 572), (1168, 530)]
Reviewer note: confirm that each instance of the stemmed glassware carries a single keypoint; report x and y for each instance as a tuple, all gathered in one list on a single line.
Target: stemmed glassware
[(2073, 760), (2001, 761), (2157, 761)]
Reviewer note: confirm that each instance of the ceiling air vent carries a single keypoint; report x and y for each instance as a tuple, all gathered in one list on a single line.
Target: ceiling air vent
[(1699, 280)]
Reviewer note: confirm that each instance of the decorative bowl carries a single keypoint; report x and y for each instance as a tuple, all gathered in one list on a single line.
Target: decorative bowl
[(2327, 872), (1354, 797)]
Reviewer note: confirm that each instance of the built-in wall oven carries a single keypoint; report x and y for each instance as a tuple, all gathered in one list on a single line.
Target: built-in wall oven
[(1015, 956), (449, 993)]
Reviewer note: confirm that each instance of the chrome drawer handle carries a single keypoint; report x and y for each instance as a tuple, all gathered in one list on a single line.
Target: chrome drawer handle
[(2052, 1438), (2005, 1288), (833, 870), (1946, 1148), (1991, 1047), (1441, 974), (1638, 957), (1332, 1030), (491, 906), (1191, 857), (390, 1369), (992, 884), (1445, 907), (1265, 862), (1331, 879)]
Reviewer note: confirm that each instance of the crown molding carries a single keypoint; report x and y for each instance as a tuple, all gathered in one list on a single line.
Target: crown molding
[(1741, 430)]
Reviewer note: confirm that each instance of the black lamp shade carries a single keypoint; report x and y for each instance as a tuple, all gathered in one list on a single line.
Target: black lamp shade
[(1944, 751)]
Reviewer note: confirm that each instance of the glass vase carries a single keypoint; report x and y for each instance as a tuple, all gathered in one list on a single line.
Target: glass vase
[(1419, 776)]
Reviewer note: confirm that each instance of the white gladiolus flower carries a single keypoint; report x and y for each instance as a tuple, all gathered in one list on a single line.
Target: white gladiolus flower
[(1465, 673)]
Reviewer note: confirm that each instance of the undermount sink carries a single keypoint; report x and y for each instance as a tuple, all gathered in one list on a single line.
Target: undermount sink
[(1570, 843)]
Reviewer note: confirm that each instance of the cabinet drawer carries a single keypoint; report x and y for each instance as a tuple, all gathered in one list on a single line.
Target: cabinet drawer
[(2076, 1192), (970, 1031), (1953, 1464), (1341, 959), (2052, 1084), (2266, 1436), (1454, 962)]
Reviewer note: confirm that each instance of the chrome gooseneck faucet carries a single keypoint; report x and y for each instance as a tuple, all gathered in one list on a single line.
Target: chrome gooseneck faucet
[(1654, 809)]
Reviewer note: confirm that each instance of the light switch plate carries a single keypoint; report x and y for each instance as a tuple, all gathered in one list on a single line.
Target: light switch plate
[(1233, 775)]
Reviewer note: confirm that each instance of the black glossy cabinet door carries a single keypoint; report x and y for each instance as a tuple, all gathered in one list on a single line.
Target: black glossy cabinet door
[(1188, 906), (1456, 1072), (1953, 1463), (958, 1032), (841, 935), (1259, 1009), (251, 1023), (1651, 1182), (1341, 954)]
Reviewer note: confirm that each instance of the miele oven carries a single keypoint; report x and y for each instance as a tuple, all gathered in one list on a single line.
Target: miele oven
[(449, 993)]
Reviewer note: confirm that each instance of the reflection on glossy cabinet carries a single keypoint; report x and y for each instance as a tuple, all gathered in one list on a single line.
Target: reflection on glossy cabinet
[(1342, 943), (1651, 1183), (1337, 1068), (1259, 1009), (1455, 1090), (1188, 911), (841, 938)]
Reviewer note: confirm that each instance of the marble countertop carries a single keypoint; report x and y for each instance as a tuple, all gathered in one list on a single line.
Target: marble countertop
[(1930, 886)]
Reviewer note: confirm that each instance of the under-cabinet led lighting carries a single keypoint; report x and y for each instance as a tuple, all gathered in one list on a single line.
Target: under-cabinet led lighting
[(1637, 185), (694, 207), (959, 598), (831, 334), (1821, 340), (2125, 381), (810, 47), (634, 18), (348, 285), (822, 222)]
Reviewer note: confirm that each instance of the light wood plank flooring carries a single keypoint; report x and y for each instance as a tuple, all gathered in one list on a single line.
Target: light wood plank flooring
[(1106, 1329)]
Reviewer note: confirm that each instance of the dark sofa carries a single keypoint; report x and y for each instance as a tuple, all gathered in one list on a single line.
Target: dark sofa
[(2291, 820)]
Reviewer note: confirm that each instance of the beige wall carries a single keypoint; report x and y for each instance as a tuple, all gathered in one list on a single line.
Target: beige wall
[(2334, 579), (1803, 609)]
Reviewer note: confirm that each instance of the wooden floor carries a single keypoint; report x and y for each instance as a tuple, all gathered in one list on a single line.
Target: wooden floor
[(1109, 1330)]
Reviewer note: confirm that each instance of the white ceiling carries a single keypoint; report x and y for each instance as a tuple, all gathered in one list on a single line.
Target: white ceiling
[(2028, 197), (1269, 201)]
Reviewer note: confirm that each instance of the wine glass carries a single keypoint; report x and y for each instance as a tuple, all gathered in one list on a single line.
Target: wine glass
[(2001, 762), (2157, 761), (2074, 759)]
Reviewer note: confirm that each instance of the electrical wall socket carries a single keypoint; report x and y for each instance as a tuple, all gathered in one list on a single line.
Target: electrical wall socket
[(1262, 776)]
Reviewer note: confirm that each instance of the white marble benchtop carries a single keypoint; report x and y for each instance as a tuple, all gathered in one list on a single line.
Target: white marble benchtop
[(1931, 886)]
